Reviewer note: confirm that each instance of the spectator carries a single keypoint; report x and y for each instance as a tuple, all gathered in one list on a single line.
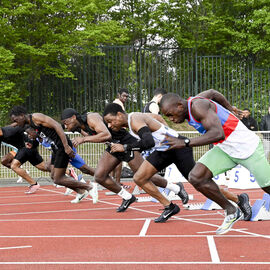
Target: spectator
[(265, 126), (249, 121), (153, 105), (122, 97)]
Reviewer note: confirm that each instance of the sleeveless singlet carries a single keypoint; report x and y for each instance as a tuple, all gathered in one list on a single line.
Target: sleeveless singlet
[(158, 135), (147, 106), (239, 142), (87, 129), (49, 134)]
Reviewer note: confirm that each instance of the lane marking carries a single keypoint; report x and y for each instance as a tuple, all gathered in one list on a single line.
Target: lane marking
[(125, 236), (144, 263), (145, 227), (15, 247), (213, 249), (155, 213)]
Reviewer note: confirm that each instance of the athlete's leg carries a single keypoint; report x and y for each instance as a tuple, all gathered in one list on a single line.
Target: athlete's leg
[(7, 159), (201, 178), (105, 165), (43, 167), (141, 178), (16, 167)]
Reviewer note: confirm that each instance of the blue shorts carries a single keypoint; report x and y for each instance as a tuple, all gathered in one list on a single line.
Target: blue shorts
[(77, 161)]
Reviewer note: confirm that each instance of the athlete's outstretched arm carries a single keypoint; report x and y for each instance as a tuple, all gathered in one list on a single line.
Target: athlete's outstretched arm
[(46, 121), (221, 99), (95, 122)]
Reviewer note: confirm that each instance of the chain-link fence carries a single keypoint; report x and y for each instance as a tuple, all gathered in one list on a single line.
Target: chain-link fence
[(91, 153)]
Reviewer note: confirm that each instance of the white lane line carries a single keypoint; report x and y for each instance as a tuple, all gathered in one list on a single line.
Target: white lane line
[(213, 249), (124, 236), (135, 263), (15, 247), (181, 219), (32, 203), (145, 227)]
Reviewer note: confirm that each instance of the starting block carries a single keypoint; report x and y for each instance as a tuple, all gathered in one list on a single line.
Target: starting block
[(210, 205), (193, 206), (137, 191), (260, 209)]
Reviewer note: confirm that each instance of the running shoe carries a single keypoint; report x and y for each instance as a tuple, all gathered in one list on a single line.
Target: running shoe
[(125, 204), (20, 180), (68, 191), (73, 174), (229, 221), (79, 197), (182, 193), (243, 203), (169, 211), (33, 188), (94, 192)]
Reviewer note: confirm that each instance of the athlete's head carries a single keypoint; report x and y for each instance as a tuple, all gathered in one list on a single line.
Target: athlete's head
[(123, 94), (69, 119), (31, 133), (18, 115), (171, 105), (114, 116)]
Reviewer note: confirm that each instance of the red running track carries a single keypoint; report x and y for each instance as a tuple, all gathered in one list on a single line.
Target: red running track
[(45, 231)]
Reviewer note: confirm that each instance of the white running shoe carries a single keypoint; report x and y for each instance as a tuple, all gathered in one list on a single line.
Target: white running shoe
[(82, 180), (68, 191), (79, 197), (94, 192), (20, 180), (229, 221)]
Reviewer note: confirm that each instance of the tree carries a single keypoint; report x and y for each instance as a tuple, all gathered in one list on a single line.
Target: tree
[(41, 36)]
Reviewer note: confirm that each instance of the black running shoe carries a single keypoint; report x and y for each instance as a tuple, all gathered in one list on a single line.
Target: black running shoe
[(169, 211), (125, 204), (182, 193), (243, 203)]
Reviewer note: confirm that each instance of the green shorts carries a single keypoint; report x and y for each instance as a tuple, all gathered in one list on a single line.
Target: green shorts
[(217, 161)]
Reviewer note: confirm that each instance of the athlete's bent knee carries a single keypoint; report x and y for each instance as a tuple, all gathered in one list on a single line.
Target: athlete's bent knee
[(100, 177)]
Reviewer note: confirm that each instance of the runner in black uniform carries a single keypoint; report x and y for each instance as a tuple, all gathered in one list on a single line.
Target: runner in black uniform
[(92, 127), (27, 150), (48, 128), (108, 161)]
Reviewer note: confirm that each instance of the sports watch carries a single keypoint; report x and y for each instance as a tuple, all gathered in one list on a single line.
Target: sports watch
[(187, 141)]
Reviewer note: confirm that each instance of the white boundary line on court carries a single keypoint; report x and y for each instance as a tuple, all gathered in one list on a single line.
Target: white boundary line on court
[(15, 247), (213, 249), (135, 263)]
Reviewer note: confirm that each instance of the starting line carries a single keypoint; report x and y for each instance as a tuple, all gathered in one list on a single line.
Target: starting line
[(15, 247)]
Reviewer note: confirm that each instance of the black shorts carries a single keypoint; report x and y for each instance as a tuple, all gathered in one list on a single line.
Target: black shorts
[(59, 158), (182, 158), (29, 154), (123, 156)]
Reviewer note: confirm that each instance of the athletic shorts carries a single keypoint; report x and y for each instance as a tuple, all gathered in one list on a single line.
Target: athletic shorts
[(59, 158), (77, 161), (123, 156), (217, 161), (182, 158), (29, 154)]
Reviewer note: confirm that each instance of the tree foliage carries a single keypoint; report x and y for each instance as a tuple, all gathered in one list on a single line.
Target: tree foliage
[(41, 36)]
